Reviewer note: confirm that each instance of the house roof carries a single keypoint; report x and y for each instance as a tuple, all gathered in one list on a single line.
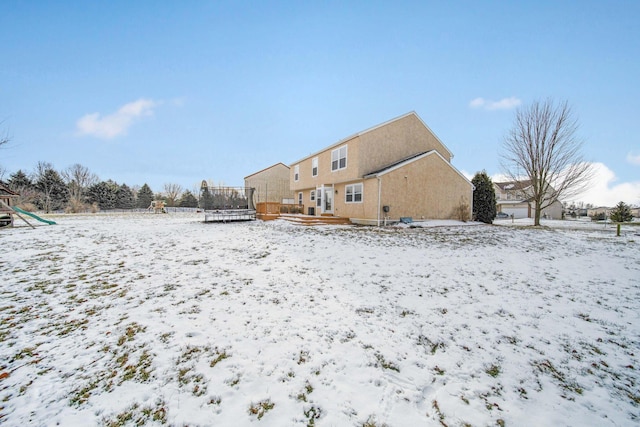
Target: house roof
[(267, 168), (6, 192), (395, 165), (408, 160), (513, 185), (342, 141)]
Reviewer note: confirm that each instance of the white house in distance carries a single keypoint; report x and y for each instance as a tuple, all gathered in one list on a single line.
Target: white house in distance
[(514, 198)]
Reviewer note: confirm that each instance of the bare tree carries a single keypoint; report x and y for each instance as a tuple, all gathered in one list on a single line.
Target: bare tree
[(3, 141), (542, 147), (78, 179), (172, 192)]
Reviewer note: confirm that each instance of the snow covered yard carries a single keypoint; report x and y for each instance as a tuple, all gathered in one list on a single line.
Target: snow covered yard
[(164, 320)]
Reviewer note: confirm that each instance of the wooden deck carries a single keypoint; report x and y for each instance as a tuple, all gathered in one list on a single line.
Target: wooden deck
[(315, 220)]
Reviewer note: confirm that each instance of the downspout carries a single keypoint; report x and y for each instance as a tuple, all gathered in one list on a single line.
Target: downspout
[(379, 193)]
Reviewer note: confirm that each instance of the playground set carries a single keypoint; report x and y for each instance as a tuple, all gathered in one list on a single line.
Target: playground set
[(157, 206), (8, 209)]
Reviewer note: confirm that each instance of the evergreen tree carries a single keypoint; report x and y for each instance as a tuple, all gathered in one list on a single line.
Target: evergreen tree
[(22, 184), (188, 200), (20, 181), (53, 193), (145, 197), (484, 198), (206, 199), (621, 213), (125, 198), (104, 194)]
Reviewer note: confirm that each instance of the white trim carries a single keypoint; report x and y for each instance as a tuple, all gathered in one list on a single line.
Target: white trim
[(353, 193), (339, 158), (314, 160), (296, 173)]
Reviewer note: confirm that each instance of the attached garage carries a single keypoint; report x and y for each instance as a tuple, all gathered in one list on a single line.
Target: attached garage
[(519, 210)]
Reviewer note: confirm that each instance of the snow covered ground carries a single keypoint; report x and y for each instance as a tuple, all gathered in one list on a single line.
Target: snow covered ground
[(164, 320)]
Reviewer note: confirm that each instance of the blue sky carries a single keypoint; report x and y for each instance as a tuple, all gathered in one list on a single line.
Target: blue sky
[(175, 92)]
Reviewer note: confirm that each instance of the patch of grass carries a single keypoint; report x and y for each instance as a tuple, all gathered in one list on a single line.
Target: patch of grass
[(136, 415), (493, 371), (186, 378), (82, 395), (371, 422), (233, 381), (308, 389), (131, 330), (546, 367), (219, 356), (72, 325), (303, 357), (431, 346), (190, 353), (365, 310), (261, 408), (312, 414), (140, 371), (439, 413), (385, 364), (164, 338), (25, 352)]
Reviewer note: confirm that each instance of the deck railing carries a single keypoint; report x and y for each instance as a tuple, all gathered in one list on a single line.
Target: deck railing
[(275, 208)]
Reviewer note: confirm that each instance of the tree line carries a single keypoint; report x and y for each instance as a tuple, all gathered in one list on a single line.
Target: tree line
[(77, 189)]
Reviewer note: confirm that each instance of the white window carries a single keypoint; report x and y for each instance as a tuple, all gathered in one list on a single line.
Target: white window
[(296, 172), (314, 166), (353, 193), (339, 158), (300, 199), (313, 195)]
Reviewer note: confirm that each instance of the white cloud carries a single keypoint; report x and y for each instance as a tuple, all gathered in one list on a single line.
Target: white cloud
[(115, 124), (634, 159), (605, 191), (503, 104)]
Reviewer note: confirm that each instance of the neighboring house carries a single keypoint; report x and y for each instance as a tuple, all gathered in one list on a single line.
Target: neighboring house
[(271, 184), (396, 169), (514, 198), (600, 210)]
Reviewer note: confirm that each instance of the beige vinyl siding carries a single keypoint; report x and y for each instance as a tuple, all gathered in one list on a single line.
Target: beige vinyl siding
[(432, 189), (397, 140), (271, 184)]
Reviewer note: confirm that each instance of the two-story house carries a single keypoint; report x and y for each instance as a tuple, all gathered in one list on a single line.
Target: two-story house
[(271, 184), (396, 169), (514, 198)]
